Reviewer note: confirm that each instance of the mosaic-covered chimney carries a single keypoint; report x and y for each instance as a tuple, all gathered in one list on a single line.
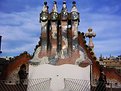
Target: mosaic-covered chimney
[(64, 24), (44, 26), (54, 28), (74, 23)]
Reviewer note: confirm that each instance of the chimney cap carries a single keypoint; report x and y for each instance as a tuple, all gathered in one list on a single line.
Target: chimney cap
[(45, 3), (64, 2), (55, 2), (73, 2), (47, 7)]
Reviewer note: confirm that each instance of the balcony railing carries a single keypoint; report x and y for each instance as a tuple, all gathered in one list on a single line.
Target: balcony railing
[(77, 85), (43, 84)]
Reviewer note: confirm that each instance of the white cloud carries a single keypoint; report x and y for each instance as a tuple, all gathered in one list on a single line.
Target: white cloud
[(109, 9), (19, 27), (107, 47), (24, 26)]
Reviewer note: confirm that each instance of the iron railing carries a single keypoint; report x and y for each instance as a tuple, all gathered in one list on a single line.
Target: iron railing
[(12, 86), (77, 85), (39, 84), (43, 84)]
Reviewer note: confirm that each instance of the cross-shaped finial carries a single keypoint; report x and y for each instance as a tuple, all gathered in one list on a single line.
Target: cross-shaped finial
[(90, 34)]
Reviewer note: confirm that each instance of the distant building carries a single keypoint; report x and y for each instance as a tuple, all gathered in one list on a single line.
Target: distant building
[(9, 66), (111, 62)]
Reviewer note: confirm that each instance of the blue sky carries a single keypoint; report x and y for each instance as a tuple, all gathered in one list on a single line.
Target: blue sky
[(20, 28)]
